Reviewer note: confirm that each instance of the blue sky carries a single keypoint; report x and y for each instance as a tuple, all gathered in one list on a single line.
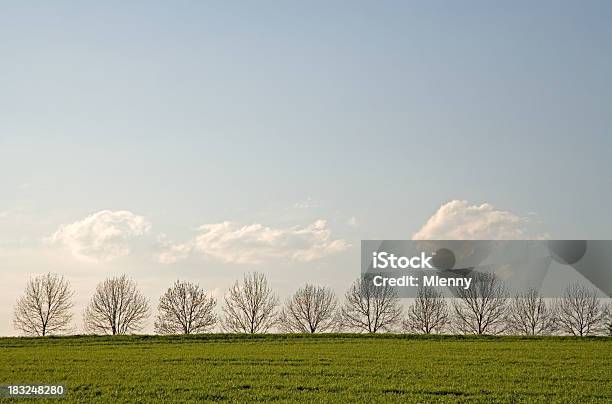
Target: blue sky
[(369, 116)]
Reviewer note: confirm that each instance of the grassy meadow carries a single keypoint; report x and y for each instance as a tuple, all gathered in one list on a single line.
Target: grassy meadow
[(342, 368)]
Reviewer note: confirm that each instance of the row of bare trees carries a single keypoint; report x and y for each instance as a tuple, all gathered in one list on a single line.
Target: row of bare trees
[(487, 308), (118, 307)]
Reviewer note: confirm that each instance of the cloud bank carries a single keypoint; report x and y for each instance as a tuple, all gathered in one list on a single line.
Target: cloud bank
[(102, 236), (255, 243), (457, 220)]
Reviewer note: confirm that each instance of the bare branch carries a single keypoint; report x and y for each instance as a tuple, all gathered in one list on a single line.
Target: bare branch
[(117, 307), (311, 309), (579, 311), (608, 319), (249, 306), (428, 313), (46, 306), (370, 308), (185, 308), (529, 314), (481, 308)]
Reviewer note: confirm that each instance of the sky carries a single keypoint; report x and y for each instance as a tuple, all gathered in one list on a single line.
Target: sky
[(201, 140)]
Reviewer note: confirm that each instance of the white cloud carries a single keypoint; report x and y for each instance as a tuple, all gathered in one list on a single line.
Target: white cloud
[(255, 244), (457, 220), (102, 236), (170, 252)]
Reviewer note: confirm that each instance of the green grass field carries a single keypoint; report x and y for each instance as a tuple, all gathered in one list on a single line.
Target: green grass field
[(340, 368)]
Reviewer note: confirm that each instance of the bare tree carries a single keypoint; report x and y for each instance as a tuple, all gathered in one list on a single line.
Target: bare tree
[(481, 308), (117, 307), (249, 306), (428, 313), (311, 309), (579, 311), (46, 306), (608, 319), (185, 308), (529, 314), (370, 308)]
